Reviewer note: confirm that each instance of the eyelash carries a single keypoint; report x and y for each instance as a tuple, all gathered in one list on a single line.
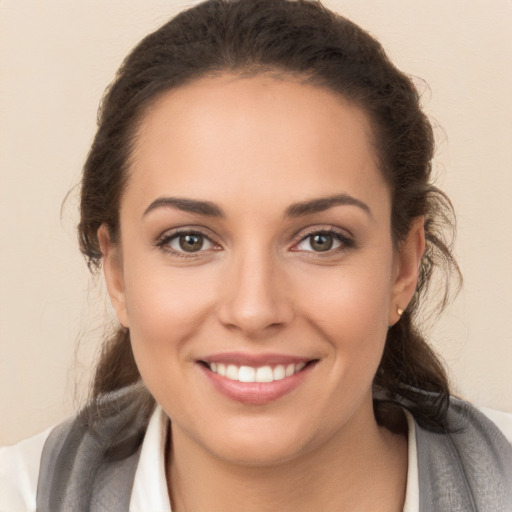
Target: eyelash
[(346, 242), (164, 241)]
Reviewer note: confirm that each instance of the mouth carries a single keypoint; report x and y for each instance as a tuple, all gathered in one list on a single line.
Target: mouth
[(262, 374), (255, 381)]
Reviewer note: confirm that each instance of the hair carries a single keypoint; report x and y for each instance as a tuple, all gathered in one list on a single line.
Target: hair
[(304, 39)]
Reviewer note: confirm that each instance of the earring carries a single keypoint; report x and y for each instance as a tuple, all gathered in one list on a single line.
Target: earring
[(400, 311)]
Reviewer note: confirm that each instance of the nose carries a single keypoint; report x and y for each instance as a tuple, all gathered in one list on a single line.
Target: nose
[(256, 300)]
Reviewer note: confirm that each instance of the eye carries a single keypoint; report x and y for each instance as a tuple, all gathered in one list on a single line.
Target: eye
[(186, 242), (323, 241)]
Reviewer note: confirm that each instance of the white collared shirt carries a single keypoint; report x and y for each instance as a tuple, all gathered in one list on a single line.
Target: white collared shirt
[(150, 487), (19, 467)]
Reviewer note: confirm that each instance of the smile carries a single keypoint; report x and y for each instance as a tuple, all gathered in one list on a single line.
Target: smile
[(255, 380), (256, 374)]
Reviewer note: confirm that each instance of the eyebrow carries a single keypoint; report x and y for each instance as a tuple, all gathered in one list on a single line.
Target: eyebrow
[(186, 205), (295, 210), (325, 203)]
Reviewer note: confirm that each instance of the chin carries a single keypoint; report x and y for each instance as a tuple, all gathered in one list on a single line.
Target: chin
[(263, 453), (267, 443)]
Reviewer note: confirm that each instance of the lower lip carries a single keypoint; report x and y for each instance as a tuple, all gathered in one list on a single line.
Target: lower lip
[(256, 393)]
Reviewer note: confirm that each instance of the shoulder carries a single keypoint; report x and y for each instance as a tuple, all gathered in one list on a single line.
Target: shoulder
[(92, 459), (471, 431), (503, 420), (467, 466), (481, 426), (58, 466), (19, 471)]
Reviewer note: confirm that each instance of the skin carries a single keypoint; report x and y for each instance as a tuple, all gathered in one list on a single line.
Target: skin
[(253, 147)]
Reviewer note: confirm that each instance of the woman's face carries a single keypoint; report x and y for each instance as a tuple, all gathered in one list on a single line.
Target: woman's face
[(256, 270)]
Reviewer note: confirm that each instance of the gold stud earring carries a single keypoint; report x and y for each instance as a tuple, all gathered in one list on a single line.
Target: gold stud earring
[(400, 311)]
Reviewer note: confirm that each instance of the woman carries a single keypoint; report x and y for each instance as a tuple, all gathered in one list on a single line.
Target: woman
[(258, 194)]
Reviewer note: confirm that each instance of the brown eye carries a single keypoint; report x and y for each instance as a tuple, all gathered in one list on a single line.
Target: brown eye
[(191, 242), (322, 242), (187, 242)]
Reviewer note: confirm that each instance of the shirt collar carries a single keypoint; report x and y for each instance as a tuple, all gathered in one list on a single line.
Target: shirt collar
[(150, 485)]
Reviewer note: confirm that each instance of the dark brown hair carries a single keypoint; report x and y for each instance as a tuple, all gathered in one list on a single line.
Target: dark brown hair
[(304, 39)]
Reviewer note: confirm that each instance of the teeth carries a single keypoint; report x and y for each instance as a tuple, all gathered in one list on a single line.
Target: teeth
[(232, 372), (259, 374), (279, 372), (298, 367), (264, 374), (246, 374)]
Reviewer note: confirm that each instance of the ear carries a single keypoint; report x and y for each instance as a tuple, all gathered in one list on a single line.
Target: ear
[(408, 260), (113, 272)]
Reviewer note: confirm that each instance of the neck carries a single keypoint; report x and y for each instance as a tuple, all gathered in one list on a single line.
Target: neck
[(360, 468)]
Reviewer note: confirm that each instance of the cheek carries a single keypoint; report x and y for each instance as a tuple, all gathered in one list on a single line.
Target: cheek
[(349, 296), (350, 306), (165, 306)]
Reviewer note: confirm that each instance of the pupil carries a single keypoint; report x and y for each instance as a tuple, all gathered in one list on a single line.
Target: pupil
[(322, 242), (191, 243)]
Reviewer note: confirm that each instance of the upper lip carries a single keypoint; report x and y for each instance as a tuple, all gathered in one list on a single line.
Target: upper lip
[(255, 360)]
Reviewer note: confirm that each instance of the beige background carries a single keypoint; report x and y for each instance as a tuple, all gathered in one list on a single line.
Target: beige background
[(57, 56)]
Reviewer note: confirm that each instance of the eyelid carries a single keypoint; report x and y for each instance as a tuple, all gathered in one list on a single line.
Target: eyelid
[(346, 239), (162, 242)]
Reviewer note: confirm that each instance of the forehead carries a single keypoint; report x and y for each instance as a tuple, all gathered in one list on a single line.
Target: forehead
[(217, 136)]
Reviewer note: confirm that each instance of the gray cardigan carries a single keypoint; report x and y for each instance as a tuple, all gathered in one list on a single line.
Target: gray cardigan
[(92, 469)]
